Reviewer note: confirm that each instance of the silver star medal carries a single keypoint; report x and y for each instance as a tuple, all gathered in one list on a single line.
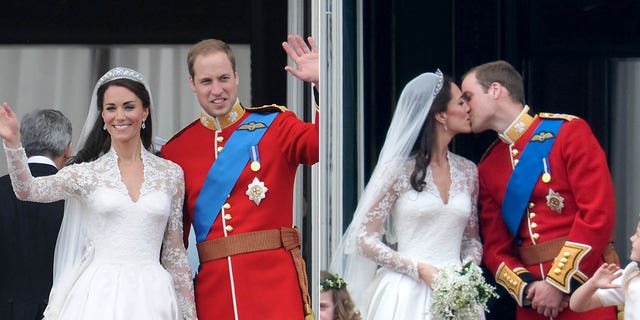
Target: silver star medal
[(555, 201), (256, 191)]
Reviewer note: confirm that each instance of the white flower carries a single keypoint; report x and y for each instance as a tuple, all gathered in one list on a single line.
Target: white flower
[(460, 292)]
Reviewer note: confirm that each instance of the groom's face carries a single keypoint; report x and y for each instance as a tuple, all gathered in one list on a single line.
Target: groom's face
[(215, 83), (479, 102)]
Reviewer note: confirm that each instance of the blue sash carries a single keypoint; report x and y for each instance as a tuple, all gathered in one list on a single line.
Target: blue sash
[(526, 173), (225, 171)]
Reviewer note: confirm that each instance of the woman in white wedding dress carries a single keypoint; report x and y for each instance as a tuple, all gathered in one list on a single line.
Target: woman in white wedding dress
[(119, 254), (422, 198)]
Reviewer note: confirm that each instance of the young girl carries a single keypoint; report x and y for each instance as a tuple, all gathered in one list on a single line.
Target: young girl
[(335, 301), (611, 286)]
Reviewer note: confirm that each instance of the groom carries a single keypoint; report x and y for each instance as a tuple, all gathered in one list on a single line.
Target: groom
[(239, 166), (546, 196)]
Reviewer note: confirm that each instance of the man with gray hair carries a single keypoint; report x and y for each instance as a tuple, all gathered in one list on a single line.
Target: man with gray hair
[(28, 230)]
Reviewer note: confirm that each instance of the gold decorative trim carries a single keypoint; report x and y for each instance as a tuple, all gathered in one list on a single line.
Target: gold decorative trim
[(518, 127), (566, 266), (510, 280), (235, 114), (548, 115)]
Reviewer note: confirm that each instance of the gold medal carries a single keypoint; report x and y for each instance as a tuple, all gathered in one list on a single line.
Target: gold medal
[(546, 177), (255, 166)]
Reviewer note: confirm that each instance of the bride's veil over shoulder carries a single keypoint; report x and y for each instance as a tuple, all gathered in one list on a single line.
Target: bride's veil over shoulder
[(408, 119)]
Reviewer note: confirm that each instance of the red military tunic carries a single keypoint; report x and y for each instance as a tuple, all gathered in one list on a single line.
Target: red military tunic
[(265, 283), (577, 203)]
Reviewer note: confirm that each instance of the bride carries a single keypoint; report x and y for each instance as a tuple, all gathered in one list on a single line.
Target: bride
[(119, 253), (422, 198)]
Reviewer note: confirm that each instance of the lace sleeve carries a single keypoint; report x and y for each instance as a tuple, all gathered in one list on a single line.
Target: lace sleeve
[(174, 255), (369, 236), (471, 249), (41, 189)]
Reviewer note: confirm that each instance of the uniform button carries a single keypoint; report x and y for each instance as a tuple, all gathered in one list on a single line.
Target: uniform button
[(227, 216), (534, 225), (515, 162), (219, 149), (557, 271), (220, 138), (560, 265), (514, 283), (532, 215), (536, 236), (566, 254), (514, 152), (228, 228), (226, 206), (564, 260), (531, 205)]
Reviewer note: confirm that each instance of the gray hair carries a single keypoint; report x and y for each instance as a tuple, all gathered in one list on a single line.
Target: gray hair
[(45, 132)]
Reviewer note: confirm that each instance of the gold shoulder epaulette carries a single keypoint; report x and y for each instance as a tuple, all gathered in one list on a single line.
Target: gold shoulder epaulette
[(267, 108), (183, 129), (563, 116)]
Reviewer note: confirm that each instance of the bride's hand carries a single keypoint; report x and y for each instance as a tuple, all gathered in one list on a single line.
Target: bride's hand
[(427, 273), (9, 127)]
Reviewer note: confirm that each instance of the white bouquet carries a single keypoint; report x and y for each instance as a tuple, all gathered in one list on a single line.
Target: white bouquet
[(460, 292)]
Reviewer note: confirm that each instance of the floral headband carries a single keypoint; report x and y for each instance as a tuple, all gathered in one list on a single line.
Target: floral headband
[(332, 283)]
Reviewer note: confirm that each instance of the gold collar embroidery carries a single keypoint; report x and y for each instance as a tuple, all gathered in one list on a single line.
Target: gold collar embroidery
[(219, 123), (518, 127)]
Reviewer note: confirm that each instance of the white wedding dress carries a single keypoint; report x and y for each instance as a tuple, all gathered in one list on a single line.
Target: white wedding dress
[(427, 229), (135, 264)]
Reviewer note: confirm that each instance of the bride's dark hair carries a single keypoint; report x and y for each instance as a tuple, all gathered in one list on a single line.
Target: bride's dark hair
[(421, 151), (99, 142)]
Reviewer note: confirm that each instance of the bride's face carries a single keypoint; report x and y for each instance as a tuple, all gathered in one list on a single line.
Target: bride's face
[(123, 114), (457, 114)]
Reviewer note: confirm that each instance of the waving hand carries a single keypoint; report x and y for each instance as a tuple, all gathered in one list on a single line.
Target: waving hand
[(9, 127), (305, 57)]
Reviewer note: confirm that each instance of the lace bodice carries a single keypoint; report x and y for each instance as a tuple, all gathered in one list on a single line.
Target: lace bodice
[(425, 228), (119, 229)]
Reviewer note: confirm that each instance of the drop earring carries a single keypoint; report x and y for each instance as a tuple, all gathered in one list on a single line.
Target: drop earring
[(143, 124), (445, 126), (104, 126)]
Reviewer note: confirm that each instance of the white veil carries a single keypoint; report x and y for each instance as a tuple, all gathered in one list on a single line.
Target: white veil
[(408, 119), (73, 249)]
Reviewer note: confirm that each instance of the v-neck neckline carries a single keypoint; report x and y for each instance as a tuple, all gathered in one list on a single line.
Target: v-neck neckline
[(123, 185), (437, 189)]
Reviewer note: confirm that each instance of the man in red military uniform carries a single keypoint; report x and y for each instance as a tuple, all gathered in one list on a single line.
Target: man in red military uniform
[(239, 166), (546, 195)]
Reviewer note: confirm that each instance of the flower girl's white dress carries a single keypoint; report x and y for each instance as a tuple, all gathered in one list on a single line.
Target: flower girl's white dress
[(135, 265), (426, 228)]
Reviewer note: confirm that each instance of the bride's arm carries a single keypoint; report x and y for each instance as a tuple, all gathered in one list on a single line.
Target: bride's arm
[(369, 235), (41, 189), (174, 255), (471, 247)]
